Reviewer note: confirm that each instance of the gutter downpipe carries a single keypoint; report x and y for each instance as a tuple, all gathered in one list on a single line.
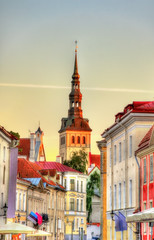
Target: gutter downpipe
[(139, 225)]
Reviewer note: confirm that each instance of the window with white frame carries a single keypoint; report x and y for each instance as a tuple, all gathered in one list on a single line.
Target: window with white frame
[(24, 202), (120, 152), (130, 193), (82, 221), (150, 204), (110, 156), (65, 182), (73, 225), (124, 154), (77, 223), (4, 153), (77, 185), (124, 196), (110, 198), (81, 205), (115, 154), (2, 200), (115, 196), (119, 195), (72, 203), (151, 168), (72, 184), (82, 186), (77, 207), (144, 170), (130, 146), (20, 201)]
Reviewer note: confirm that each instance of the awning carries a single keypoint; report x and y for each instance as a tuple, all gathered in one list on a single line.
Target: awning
[(11, 228), (144, 216), (38, 233)]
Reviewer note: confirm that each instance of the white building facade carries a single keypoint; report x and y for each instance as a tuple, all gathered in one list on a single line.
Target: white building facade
[(122, 139)]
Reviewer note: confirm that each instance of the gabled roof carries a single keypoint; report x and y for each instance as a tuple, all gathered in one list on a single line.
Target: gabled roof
[(91, 170), (146, 141), (28, 169), (24, 147), (8, 134), (95, 159), (135, 107), (56, 165)]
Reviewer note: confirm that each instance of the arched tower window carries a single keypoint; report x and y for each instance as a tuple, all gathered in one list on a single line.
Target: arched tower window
[(73, 139), (77, 104), (84, 140), (72, 104), (78, 139)]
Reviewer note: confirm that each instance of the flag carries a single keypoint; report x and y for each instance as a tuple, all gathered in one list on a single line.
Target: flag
[(39, 218), (117, 225), (122, 222)]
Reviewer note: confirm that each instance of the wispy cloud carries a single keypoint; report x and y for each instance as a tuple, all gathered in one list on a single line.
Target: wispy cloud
[(122, 90)]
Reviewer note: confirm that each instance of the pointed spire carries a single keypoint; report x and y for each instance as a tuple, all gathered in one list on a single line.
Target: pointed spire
[(76, 74)]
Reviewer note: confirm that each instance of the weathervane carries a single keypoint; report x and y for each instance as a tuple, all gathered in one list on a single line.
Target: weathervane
[(76, 46)]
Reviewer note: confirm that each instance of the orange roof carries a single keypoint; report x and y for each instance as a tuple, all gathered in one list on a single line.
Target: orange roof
[(95, 159), (24, 147)]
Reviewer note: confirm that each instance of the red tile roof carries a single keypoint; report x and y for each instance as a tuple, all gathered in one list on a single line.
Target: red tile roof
[(24, 147), (146, 140), (135, 107), (95, 159), (8, 134), (56, 165), (28, 169)]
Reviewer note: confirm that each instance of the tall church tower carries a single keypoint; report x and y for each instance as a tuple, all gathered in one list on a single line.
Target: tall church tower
[(75, 133)]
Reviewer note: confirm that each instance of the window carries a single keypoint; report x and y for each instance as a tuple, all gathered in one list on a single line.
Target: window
[(115, 154), (72, 184), (151, 168), (130, 193), (119, 195), (78, 139), (150, 204), (124, 150), (73, 227), (24, 202), (20, 201), (77, 185), (144, 226), (16, 201), (81, 186), (130, 146), (2, 200), (65, 182), (62, 140), (77, 207), (110, 198), (115, 196), (124, 198), (81, 205), (71, 204), (4, 153), (145, 170), (77, 223), (120, 152), (84, 140), (110, 157), (4, 175), (52, 201), (82, 221), (73, 139)]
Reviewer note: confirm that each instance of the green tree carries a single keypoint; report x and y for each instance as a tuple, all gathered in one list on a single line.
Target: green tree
[(78, 161), (92, 184), (16, 134)]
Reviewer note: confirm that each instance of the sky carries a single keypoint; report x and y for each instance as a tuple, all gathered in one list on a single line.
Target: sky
[(115, 61)]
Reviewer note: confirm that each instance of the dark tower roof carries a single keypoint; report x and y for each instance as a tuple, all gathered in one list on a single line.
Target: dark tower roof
[(75, 120)]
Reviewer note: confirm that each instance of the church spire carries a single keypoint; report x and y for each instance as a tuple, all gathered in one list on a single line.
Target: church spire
[(75, 97)]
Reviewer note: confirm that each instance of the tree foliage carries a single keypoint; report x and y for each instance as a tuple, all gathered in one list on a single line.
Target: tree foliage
[(78, 161), (16, 134), (93, 183)]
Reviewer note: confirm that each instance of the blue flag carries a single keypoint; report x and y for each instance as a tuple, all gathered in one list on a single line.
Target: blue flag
[(122, 222)]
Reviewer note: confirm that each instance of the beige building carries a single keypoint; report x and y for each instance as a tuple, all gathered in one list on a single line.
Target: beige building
[(122, 140)]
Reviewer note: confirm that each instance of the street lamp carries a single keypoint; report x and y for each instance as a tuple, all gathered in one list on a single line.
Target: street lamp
[(5, 207)]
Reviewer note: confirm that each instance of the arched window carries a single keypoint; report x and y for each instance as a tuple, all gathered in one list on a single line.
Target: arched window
[(84, 140), (73, 139), (78, 139), (72, 104), (77, 104)]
